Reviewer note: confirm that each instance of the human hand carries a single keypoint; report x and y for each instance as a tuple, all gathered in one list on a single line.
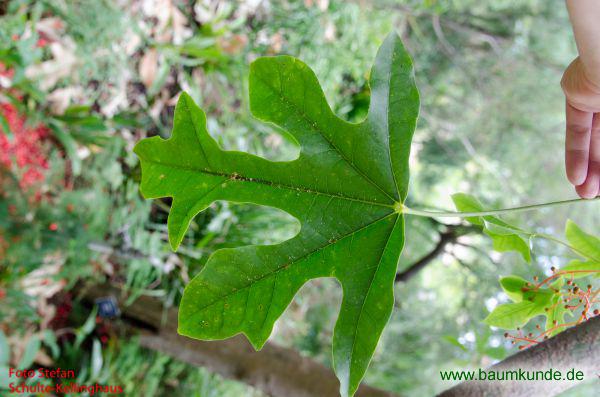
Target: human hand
[(583, 130)]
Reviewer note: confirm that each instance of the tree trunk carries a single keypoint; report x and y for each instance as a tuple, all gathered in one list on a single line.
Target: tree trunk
[(576, 348)]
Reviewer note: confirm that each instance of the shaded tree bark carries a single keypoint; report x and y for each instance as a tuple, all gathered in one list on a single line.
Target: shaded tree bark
[(275, 370), (576, 348)]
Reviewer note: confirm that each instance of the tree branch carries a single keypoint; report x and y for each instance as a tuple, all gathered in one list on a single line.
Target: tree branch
[(275, 370), (576, 348), (449, 236)]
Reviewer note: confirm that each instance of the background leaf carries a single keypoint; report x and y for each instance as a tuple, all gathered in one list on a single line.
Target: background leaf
[(585, 243), (505, 237), (513, 315), (513, 287), (31, 349)]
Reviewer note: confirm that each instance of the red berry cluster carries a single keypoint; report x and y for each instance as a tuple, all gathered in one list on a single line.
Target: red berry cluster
[(580, 301)]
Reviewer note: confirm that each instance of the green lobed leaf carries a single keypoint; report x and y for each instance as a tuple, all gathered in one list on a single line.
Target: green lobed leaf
[(578, 266), (505, 237), (346, 188), (556, 313), (585, 243), (513, 315), (512, 242), (513, 287), (467, 203), (529, 303)]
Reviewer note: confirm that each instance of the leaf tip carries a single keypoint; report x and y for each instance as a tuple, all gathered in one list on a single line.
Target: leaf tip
[(570, 225), (185, 97), (392, 37), (256, 341), (187, 105), (176, 228), (175, 238)]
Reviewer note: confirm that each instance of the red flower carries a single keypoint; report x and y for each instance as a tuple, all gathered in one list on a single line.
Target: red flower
[(42, 42), (6, 72), (25, 150)]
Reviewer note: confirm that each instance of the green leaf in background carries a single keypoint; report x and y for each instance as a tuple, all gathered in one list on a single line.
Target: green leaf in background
[(4, 127), (513, 315), (556, 310), (585, 244), (505, 237), (4, 349), (513, 287), (530, 299), (581, 266), (530, 302), (96, 361), (82, 332), (31, 349), (69, 144), (49, 339), (556, 314), (454, 341), (346, 188), (5, 378)]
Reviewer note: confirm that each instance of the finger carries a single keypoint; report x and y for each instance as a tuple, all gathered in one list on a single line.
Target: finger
[(595, 140), (579, 125), (595, 148), (589, 189)]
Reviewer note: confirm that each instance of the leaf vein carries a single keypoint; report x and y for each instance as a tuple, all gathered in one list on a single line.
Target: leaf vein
[(287, 265), (315, 128)]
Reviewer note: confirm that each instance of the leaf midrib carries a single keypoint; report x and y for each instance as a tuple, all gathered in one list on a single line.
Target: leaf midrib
[(238, 177), (387, 124)]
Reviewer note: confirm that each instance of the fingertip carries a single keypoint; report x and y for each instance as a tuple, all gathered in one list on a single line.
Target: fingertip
[(583, 192), (590, 189), (577, 168), (576, 180)]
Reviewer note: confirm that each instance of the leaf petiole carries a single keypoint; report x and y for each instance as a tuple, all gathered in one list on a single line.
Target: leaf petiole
[(456, 214)]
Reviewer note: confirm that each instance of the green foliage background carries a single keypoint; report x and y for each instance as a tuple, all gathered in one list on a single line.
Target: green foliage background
[(491, 124)]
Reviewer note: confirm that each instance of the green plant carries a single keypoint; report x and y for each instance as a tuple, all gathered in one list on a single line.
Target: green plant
[(347, 188), (553, 297)]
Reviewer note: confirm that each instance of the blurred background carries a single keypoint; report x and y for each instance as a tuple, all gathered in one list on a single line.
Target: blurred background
[(81, 81)]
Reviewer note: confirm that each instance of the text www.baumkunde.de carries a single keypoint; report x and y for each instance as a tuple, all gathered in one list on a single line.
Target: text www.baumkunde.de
[(513, 375)]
